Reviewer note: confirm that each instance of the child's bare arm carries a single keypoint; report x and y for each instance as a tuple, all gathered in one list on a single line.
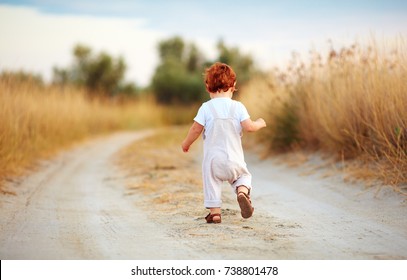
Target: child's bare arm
[(193, 134), (252, 126)]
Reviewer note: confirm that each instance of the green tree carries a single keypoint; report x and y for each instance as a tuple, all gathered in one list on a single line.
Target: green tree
[(100, 73), (178, 77), (104, 74), (172, 48), (195, 59), (241, 63)]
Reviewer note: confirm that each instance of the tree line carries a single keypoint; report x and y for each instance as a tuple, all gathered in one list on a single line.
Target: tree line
[(179, 75), (178, 78)]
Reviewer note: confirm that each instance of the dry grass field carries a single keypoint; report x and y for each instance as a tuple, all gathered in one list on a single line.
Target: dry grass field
[(37, 121), (350, 103)]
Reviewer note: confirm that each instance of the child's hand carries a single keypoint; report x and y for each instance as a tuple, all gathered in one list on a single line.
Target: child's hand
[(185, 147), (261, 123), (252, 126)]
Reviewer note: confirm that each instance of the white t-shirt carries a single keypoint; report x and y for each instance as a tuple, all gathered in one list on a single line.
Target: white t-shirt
[(222, 106)]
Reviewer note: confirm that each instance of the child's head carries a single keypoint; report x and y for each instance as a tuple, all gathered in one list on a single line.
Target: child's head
[(219, 77)]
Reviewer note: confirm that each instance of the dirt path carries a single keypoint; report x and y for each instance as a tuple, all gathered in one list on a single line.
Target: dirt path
[(78, 207), (334, 220), (74, 209)]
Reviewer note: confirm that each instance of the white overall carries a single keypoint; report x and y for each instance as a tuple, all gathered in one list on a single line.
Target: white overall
[(223, 158)]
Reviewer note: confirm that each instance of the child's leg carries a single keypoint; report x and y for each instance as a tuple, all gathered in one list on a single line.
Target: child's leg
[(243, 184), (212, 194), (215, 210), (212, 189), (245, 204), (243, 188)]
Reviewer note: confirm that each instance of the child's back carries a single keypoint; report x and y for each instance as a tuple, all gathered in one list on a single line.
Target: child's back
[(222, 120), (223, 152)]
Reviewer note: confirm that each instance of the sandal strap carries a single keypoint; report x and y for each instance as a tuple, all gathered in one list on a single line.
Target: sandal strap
[(210, 216), (248, 189), (245, 194)]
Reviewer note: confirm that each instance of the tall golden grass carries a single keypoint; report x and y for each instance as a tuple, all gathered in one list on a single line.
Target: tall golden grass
[(351, 103), (36, 121)]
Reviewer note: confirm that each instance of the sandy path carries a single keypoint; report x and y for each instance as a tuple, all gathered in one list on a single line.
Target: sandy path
[(74, 209), (334, 220), (77, 207)]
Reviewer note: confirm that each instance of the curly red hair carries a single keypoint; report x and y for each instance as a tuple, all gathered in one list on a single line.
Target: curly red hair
[(219, 77)]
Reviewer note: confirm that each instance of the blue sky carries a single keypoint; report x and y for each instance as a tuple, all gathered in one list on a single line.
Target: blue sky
[(39, 34)]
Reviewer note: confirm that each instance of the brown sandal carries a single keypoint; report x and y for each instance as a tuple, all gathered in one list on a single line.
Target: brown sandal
[(245, 204), (209, 218)]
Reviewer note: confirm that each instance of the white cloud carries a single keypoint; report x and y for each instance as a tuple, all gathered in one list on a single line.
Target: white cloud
[(36, 42)]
